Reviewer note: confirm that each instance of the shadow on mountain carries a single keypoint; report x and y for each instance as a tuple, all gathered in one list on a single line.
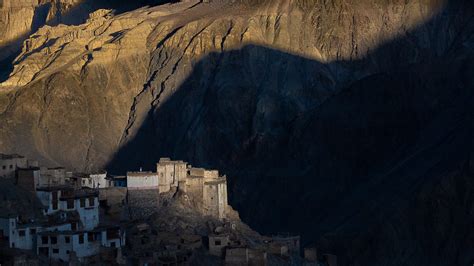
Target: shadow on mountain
[(378, 171), (75, 15)]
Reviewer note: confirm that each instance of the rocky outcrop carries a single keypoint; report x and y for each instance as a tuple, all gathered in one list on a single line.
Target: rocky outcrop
[(357, 110), (20, 18)]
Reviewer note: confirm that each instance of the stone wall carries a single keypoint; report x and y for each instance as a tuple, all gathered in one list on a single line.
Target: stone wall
[(142, 203)]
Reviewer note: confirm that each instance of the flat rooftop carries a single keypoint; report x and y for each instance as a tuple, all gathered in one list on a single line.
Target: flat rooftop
[(10, 156), (216, 182)]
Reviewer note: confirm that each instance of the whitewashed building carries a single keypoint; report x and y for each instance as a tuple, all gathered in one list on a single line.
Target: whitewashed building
[(95, 180), (59, 245), (84, 201), (142, 180)]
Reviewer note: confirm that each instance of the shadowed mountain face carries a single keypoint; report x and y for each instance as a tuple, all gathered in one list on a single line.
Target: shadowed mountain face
[(348, 124)]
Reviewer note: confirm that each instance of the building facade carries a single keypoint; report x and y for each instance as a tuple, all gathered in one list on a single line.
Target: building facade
[(142, 180), (9, 163)]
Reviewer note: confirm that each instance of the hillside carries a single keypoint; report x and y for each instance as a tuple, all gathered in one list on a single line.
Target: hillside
[(360, 111)]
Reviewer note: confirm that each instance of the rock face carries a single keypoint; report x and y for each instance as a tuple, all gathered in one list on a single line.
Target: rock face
[(20, 18), (358, 110)]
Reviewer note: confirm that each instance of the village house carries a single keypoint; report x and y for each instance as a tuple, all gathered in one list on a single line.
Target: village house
[(9, 163), (237, 256), (29, 178), (218, 243), (65, 198), (285, 243), (52, 176), (60, 245), (96, 180)]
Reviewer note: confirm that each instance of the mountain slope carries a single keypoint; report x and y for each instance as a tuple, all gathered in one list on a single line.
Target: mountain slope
[(358, 110)]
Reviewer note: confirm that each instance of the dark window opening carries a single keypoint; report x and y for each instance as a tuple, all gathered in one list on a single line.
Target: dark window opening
[(54, 240), (4, 167), (90, 236), (91, 202), (11, 166), (67, 239), (70, 203), (32, 231), (44, 240), (83, 203), (217, 243), (43, 251), (73, 226), (81, 239), (112, 233), (21, 232), (112, 244), (55, 250)]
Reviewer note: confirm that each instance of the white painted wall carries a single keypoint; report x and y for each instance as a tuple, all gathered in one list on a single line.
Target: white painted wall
[(142, 180), (88, 248)]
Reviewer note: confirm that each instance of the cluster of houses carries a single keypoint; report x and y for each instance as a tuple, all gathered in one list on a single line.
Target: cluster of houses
[(69, 225)]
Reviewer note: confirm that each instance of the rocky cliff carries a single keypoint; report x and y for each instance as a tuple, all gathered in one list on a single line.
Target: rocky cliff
[(358, 110), (20, 18)]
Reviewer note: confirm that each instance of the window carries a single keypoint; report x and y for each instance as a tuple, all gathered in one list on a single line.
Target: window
[(217, 243), (21, 232), (68, 251), (13, 244), (55, 205), (90, 236), (43, 251), (54, 240), (81, 239), (55, 250), (112, 244), (32, 231), (83, 203), (70, 203), (11, 166), (67, 239), (91, 202), (44, 240), (73, 226), (4, 167)]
